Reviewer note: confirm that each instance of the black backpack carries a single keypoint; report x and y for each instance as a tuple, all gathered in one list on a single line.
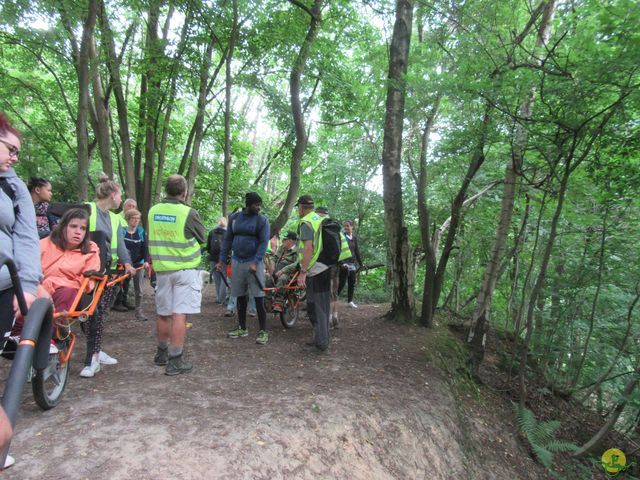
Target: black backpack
[(331, 242), (216, 244)]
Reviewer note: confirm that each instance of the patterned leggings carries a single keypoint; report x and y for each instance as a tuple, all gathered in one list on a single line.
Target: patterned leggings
[(95, 325)]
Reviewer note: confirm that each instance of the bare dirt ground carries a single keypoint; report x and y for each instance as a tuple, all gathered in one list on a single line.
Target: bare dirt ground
[(373, 407)]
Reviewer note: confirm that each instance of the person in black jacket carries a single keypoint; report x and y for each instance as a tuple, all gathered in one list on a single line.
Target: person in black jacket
[(350, 266), (214, 245)]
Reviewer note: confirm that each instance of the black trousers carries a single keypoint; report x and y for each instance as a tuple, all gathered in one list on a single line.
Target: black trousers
[(349, 277)]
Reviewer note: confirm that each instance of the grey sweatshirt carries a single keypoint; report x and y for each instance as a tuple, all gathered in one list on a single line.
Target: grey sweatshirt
[(19, 235), (103, 224)]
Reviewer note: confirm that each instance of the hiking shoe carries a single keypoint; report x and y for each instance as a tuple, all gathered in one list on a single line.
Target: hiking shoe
[(277, 307), (106, 359), (118, 307), (177, 365), (353, 305), (238, 332), (162, 356), (252, 313), (128, 306), (262, 338), (229, 313), (334, 321)]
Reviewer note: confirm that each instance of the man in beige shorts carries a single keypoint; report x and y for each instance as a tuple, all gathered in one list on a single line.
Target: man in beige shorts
[(176, 235)]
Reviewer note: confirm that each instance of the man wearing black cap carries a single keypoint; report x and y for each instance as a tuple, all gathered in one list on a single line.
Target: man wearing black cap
[(314, 275), (247, 236)]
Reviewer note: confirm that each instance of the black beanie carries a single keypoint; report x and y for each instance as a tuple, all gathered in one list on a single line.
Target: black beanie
[(252, 198)]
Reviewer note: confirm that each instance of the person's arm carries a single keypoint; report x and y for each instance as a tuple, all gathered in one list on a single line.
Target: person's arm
[(193, 227), (123, 252), (263, 238), (227, 242), (26, 242), (356, 248)]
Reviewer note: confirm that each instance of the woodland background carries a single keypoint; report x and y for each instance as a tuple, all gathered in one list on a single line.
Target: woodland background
[(487, 151)]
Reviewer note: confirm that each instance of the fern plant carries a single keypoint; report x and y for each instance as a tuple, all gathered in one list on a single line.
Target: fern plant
[(541, 436)]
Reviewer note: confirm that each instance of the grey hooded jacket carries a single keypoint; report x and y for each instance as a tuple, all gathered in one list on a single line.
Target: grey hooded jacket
[(19, 235)]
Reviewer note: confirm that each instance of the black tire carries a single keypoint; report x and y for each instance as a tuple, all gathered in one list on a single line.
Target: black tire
[(289, 316), (48, 384)]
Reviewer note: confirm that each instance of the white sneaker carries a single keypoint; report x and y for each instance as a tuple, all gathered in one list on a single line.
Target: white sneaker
[(353, 305), (106, 359), (90, 370), (9, 461), (53, 349)]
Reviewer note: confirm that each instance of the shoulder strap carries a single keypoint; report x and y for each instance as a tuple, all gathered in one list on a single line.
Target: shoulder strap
[(10, 192)]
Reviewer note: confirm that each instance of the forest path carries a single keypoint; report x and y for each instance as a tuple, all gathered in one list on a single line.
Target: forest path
[(370, 408)]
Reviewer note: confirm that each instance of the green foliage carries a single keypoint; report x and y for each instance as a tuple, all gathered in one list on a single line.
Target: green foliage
[(541, 436)]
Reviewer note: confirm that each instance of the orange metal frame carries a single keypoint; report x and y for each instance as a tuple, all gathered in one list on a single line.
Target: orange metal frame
[(102, 282), (289, 290)]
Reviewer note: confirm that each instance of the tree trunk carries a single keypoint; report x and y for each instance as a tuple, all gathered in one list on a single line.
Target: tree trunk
[(403, 301), (298, 117), (102, 129), (227, 113), (595, 441), (426, 317), (152, 103), (121, 104), (199, 122), (82, 133)]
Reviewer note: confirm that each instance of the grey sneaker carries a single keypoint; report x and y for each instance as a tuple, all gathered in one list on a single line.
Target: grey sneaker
[(262, 338), (238, 332), (162, 356), (177, 365)]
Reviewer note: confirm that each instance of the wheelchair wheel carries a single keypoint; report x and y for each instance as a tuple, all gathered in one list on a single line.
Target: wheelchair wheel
[(49, 383), (288, 316)]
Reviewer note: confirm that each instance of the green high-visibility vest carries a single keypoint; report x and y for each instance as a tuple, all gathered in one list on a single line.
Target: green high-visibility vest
[(345, 251), (115, 224), (170, 249), (315, 222)]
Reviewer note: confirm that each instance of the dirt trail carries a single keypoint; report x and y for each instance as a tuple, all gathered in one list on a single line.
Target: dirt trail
[(371, 408)]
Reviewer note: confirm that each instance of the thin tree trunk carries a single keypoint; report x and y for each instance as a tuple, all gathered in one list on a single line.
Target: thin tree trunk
[(227, 112), (152, 53), (426, 317), (537, 288), (595, 441), (121, 104), (403, 300), (477, 160), (199, 122), (298, 118), (102, 113)]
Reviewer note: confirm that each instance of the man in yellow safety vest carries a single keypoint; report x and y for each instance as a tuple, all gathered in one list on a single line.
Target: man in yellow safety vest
[(176, 234)]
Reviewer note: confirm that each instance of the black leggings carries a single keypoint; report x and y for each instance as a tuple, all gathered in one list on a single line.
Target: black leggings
[(95, 325), (242, 312), (349, 277)]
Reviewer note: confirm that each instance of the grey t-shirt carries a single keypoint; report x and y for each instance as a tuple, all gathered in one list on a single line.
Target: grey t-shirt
[(103, 224), (306, 233)]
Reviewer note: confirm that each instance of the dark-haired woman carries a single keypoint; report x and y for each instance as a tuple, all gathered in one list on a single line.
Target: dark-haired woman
[(41, 194), (65, 255)]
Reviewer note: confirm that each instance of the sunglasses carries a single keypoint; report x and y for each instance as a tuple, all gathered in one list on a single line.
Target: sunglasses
[(13, 150)]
